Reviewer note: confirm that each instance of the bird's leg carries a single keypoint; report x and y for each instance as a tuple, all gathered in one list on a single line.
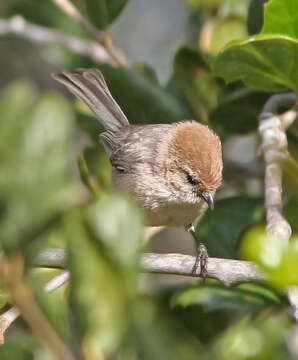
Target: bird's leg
[(202, 254)]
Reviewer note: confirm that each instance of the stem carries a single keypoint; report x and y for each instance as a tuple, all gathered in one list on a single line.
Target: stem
[(25, 304), (68, 8), (17, 25)]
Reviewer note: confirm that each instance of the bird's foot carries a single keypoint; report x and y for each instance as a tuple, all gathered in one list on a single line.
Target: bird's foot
[(202, 260)]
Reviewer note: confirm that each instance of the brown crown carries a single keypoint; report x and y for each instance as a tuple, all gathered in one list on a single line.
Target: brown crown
[(199, 148)]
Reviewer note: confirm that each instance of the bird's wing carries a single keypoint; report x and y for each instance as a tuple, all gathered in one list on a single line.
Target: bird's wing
[(138, 144)]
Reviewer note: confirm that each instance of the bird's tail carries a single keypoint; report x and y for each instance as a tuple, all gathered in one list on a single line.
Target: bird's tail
[(89, 85)]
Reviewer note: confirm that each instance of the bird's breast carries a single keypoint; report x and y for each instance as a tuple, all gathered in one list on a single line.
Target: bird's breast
[(174, 214)]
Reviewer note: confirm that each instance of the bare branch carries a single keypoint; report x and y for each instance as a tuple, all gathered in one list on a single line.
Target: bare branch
[(17, 25), (56, 258), (274, 147), (68, 8), (7, 318), (229, 272)]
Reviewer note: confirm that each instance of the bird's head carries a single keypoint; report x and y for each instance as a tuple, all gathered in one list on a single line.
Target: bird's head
[(194, 163)]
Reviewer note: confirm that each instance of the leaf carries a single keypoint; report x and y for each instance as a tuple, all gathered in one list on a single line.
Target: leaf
[(141, 100), (195, 81), (252, 338), (97, 294), (117, 223), (103, 12), (225, 118), (267, 61), (156, 336), (53, 304), (264, 62), (227, 29), (146, 71), (274, 255), (95, 169), (255, 17), (35, 178), (87, 121), (213, 297), (281, 17), (220, 229)]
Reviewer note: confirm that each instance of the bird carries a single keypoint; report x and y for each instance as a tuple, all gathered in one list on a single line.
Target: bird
[(171, 170)]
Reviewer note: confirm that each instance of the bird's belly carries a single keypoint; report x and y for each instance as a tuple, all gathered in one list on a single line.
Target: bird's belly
[(174, 214)]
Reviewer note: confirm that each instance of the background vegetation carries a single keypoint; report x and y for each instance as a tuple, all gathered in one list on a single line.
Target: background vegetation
[(217, 62)]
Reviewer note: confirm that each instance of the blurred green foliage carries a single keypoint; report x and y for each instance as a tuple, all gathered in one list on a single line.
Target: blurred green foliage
[(276, 257), (109, 310)]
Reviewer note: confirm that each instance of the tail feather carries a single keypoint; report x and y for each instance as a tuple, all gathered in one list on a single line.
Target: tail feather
[(89, 85)]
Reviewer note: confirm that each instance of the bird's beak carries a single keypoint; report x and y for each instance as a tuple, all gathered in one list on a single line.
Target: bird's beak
[(208, 197)]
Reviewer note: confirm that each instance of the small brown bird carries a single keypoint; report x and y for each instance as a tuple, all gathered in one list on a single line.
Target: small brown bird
[(172, 170)]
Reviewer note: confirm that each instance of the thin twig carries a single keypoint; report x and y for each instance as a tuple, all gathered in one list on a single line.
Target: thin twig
[(115, 53), (17, 25), (68, 8), (7, 318)]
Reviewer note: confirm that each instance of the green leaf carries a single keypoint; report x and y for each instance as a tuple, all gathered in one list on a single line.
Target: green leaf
[(255, 17), (274, 255), (225, 118), (35, 178), (95, 169), (227, 29), (267, 61), (53, 304), (264, 62), (195, 81), (146, 71), (156, 336), (141, 100), (103, 12), (213, 297), (221, 228), (252, 338), (87, 122), (281, 17), (117, 223), (97, 293)]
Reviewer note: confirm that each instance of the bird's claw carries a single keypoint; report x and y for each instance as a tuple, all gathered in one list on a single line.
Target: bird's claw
[(202, 260)]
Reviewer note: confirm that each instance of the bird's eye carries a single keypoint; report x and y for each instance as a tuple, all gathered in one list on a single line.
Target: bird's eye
[(192, 180), (119, 168)]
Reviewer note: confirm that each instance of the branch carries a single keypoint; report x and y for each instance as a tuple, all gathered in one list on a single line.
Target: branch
[(274, 147), (229, 272), (68, 8), (17, 25), (7, 318), (272, 129)]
